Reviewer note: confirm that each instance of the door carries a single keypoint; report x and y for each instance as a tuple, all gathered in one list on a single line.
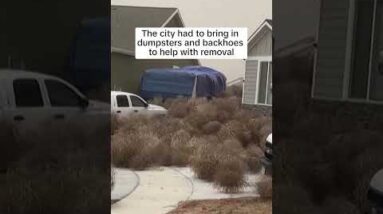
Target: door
[(28, 111), (139, 106), (122, 105), (64, 103)]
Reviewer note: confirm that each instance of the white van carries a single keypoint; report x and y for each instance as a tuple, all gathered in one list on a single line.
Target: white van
[(125, 104), (29, 98)]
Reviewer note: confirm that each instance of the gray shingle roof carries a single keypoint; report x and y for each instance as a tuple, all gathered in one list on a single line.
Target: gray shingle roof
[(124, 20)]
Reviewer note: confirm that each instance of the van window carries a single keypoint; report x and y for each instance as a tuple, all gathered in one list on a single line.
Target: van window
[(137, 102), (60, 95), (122, 101), (27, 93)]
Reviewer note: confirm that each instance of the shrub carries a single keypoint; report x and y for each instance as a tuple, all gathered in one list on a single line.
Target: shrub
[(62, 169), (211, 127), (233, 90), (253, 158), (265, 187), (234, 145), (124, 148), (180, 108), (230, 174), (229, 105), (181, 149), (205, 160), (114, 124)]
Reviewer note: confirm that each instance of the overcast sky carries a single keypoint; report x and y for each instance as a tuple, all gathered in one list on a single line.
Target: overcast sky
[(216, 13)]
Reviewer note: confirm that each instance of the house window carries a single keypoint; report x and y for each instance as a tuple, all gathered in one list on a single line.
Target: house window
[(264, 95), (366, 79)]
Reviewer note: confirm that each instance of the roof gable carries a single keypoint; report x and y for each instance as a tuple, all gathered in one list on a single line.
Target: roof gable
[(259, 33), (125, 19)]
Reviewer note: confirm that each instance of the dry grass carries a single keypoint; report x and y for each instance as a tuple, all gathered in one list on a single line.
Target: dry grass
[(265, 187), (211, 127), (230, 175), (225, 206), (205, 160), (253, 156), (207, 135), (57, 168)]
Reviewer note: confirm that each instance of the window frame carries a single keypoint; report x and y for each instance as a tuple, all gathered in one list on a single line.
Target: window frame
[(40, 87), (45, 80), (350, 51), (131, 102), (127, 98), (268, 60)]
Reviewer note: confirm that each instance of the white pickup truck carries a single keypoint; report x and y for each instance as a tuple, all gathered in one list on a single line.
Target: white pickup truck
[(125, 104), (29, 98)]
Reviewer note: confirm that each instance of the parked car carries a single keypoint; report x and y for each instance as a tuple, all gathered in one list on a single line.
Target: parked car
[(33, 104), (268, 156), (125, 104), (28, 98), (375, 193)]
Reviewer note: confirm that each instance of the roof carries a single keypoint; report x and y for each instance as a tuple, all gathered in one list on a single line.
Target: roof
[(260, 32), (124, 20), (122, 93)]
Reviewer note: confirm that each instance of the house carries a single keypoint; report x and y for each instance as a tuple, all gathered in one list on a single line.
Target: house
[(258, 75), (126, 70), (349, 57)]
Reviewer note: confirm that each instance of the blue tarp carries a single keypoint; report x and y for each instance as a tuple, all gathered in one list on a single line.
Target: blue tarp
[(173, 82)]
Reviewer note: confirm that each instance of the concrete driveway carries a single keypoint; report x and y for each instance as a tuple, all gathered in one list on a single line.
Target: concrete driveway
[(159, 190)]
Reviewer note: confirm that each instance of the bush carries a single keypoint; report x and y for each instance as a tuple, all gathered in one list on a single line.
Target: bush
[(181, 149), (265, 187), (230, 174), (253, 158), (180, 108), (114, 124), (196, 132), (211, 127), (63, 169), (205, 160), (234, 90)]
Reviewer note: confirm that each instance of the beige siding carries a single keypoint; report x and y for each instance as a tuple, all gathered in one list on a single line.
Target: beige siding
[(332, 39), (127, 71), (263, 47), (250, 82)]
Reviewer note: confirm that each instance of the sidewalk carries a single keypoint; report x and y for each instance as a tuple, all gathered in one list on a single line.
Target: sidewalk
[(125, 182), (159, 191)]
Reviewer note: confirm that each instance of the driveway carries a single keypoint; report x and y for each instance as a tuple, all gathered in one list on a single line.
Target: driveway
[(159, 190)]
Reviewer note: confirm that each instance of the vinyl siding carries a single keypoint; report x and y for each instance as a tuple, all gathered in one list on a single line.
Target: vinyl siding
[(332, 41), (263, 47), (250, 82)]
